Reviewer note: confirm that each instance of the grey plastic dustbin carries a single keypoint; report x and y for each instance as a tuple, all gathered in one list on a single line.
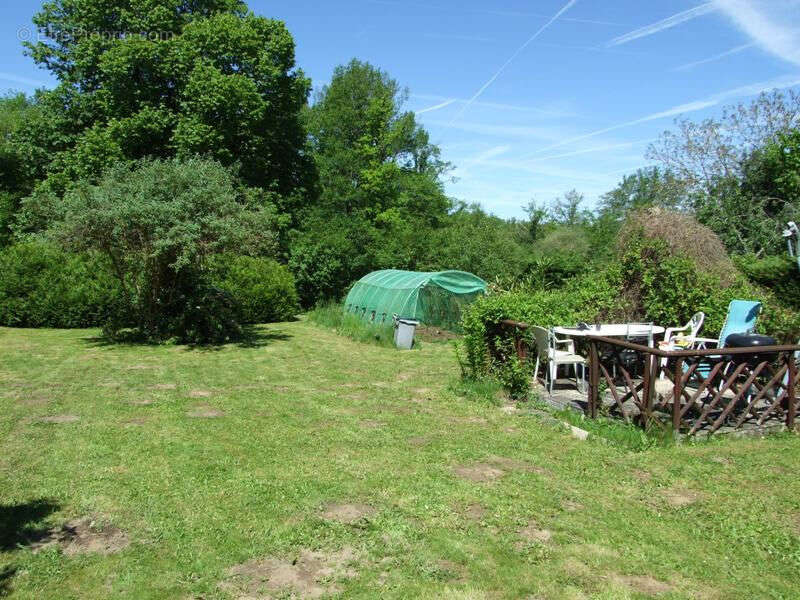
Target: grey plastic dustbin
[(404, 332)]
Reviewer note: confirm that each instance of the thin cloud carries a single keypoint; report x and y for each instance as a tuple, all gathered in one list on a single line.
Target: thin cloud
[(740, 92), (514, 13), (550, 111), (21, 80), (521, 131), (505, 65), (436, 106), (458, 38), (716, 57), (672, 21), (775, 27), (488, 154), (593, 149)]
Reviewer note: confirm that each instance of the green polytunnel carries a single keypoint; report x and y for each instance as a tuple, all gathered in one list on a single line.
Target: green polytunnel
[(432, 298)]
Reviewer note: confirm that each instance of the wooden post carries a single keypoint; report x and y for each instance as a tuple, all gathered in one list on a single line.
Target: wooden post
[(790, 399), (677, 392), (647, 375), (594, 378)]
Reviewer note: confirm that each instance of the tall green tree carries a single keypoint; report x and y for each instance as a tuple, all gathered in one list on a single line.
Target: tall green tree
[(167, 78), (13, 183), (651, 186), (380, 179), (372, 155)]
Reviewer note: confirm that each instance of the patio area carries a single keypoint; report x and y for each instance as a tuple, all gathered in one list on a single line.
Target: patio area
[(696, 392)]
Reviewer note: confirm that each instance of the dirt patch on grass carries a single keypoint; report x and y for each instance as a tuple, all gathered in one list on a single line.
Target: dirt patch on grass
[(475, 512), (310, 574), (205, 412), (164, 386), (347, 513), (680, 497), (59, 419), (468, 420), (571, 506), (200, 394), (419, 441), (642, 476), (452, 571), (144, 402), (643, 584), (139, 367), (533, 533), (513, 464), (85, 536), (479, 472), (136, 422), (434, 334), (795, 522), (370, 424), (33, 400)]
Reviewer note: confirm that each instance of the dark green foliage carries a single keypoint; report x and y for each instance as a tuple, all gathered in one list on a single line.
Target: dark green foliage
[(778, 273), (13, 182), (645, 188), (381, 188), (167, 78), (479, 243), (158, 223), (262, 289), (43, 286), (587, 298), (372, 155)]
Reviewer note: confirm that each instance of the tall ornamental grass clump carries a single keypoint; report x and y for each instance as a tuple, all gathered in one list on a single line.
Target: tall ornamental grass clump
[(333, 316)]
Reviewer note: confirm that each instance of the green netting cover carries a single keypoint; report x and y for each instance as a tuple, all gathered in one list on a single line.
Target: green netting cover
[(433, 298)]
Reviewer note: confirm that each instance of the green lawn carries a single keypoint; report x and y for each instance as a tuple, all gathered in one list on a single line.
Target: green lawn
[(306, 461)]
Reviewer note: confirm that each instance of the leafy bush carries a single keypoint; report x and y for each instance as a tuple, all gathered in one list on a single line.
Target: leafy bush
[(158, 222), (262, 288), (43, 286), (666, 288), (778, 273), (486, 349)]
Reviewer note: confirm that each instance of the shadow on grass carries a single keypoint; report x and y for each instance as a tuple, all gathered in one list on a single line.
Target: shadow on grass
[(6, 575), (18, 524), (253, 336)]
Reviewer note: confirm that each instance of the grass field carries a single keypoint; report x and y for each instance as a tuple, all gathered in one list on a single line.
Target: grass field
[(308, 463)]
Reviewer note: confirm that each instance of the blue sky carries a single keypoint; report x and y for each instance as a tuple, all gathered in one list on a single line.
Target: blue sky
[(529, 99)]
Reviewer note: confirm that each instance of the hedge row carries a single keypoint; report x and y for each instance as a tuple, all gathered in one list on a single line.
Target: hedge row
[(42, 286)]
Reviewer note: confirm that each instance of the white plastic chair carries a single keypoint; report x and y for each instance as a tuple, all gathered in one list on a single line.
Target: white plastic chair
[(547, 352), (692, 327)]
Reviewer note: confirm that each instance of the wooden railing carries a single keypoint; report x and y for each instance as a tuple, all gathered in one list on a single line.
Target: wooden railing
[(697, 391), (706, 390)]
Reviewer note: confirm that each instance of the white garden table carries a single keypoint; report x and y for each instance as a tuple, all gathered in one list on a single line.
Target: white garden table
[(609, 330)]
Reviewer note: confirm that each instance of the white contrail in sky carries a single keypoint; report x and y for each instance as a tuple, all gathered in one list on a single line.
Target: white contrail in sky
[(436, 106), (773, 26), (719, 56), (492, 79), (594, 149), (23, 80), (672, 21), (753, 89)]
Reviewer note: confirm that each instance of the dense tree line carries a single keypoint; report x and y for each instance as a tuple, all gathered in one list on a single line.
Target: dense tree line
[(178, 101)]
